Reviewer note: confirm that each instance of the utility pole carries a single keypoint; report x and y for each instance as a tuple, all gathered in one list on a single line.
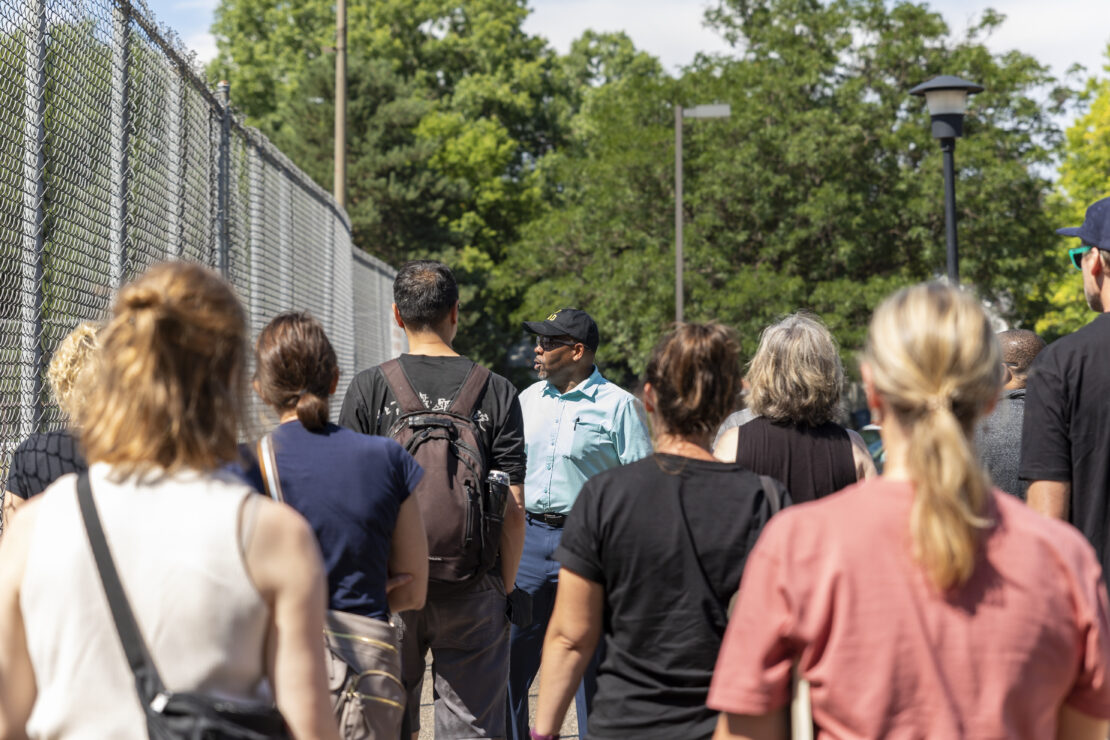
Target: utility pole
[(339, 190)]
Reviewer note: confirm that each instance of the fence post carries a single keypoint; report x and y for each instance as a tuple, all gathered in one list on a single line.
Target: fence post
[(331, 268), (34, 192), (257, 186), (285, 242), (174, 130), (223, 195), (120, 141)]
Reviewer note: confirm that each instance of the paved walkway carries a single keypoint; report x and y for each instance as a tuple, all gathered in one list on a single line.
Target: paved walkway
[(427, 722)]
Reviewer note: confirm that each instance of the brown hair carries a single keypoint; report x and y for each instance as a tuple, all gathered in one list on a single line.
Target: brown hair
[(168, 387), (695, 372), (936, 363), (295, 367), (71, 360), (796, 374)]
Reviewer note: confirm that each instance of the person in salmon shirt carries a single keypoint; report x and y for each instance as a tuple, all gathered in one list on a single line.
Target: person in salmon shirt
[(924, 603)]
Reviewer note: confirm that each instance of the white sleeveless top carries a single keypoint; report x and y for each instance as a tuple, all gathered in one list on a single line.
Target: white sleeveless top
[(175, 542)]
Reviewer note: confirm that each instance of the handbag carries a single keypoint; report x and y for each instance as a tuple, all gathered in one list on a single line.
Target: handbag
[(170, 715), (362, 655)]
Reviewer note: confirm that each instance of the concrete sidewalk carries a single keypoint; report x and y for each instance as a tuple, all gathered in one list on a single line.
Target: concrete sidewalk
[(427, 721)]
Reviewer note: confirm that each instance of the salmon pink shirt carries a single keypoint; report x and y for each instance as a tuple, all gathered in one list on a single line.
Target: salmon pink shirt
[(833, 585)]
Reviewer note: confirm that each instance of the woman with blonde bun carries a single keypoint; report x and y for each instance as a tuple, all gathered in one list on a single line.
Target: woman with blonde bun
[(226, 586), (45, 457), (924, 603)]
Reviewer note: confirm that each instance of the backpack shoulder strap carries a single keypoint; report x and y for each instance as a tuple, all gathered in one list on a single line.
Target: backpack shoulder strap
[(467, 397), (399, 384)]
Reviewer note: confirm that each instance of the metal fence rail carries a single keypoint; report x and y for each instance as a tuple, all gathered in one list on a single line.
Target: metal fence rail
[(114, 155)]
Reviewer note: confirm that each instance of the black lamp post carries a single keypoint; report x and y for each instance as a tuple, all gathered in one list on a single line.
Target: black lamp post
[(946, 98)]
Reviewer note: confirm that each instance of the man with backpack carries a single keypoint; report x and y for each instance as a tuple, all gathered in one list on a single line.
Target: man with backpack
[(461, 422)]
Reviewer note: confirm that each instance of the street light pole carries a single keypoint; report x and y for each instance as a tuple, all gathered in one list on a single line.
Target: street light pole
[(946, 97), (678, 290), (948, 150), (339, 188), (698, 111)]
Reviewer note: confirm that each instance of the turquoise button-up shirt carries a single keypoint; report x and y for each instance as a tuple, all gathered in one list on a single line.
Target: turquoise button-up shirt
[(573, 436)]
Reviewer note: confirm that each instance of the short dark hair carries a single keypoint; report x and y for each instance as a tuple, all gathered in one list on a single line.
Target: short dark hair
[(424, 291), (1019, 348)]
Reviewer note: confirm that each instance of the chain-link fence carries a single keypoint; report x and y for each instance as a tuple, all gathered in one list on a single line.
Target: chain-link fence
[(114, 155)]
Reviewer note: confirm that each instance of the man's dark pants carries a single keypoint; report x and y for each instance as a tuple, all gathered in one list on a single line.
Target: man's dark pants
[(538, 575)]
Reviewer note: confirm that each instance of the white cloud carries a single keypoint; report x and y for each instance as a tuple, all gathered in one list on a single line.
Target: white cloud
[(1067, 32), (672, 30), (204, 44), (205, 5)]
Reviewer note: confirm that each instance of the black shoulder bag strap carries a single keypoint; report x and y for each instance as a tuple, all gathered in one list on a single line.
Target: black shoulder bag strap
[(133, 646), (771, 489)]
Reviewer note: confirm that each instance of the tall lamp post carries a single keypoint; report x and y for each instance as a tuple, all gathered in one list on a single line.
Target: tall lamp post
[(698, 111), (946, 97), (339, 189)]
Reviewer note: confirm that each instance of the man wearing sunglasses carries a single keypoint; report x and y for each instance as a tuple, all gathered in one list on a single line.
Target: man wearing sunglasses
[(1065, 442), (576, 424)]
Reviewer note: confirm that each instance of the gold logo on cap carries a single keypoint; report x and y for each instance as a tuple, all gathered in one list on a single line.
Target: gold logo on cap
[(552, 316)]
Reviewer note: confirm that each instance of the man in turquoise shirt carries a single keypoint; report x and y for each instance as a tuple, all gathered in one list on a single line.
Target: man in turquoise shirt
[(576, 424)]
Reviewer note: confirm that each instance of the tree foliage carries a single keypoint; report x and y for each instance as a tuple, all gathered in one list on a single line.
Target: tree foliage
[(451, 107), (823, 190), (548, 180), (1084, 178)]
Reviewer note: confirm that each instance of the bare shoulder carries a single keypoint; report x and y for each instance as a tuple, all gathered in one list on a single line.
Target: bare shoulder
[(725, 450), (861, 456), (15, 542), (282, 546)]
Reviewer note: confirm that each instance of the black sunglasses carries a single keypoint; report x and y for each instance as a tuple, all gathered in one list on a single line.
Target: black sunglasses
[(549, 343)]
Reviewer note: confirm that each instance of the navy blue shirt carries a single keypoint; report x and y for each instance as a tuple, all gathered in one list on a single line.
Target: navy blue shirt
[(350, 487)]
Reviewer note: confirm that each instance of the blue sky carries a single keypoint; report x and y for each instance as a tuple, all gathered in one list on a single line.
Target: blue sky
[(1069, 31)]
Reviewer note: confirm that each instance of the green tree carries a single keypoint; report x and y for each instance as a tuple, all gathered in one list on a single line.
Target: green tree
[(451, 107), (1084, 178), (822, 191)]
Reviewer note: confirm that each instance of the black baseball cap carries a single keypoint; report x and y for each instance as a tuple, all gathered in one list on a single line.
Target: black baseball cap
[(571, 322), (1096, 226)]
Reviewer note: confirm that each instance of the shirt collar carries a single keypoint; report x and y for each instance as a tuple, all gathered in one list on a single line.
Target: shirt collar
[(588, 388)]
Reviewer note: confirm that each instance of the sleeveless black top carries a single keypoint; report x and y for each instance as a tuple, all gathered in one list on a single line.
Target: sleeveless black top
[(811, 461)]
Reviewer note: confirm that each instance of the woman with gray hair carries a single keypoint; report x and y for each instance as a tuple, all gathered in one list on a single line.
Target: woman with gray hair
[(794, 384)]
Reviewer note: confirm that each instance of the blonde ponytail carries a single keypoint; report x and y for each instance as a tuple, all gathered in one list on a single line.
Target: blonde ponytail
[(936, 363)]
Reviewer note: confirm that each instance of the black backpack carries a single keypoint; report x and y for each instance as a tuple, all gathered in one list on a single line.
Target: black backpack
[(464, 530)]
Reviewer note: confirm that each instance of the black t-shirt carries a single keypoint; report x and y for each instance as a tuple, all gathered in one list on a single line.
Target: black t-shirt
[(1066, 429), (664, 604), (369, 406), (42, 459)]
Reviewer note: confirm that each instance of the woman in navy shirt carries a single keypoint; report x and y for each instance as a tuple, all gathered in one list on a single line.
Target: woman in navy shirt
[(354, 491)]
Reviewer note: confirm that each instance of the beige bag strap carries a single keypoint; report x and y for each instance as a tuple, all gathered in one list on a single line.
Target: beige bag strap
[(801, 712), (267, 463)]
